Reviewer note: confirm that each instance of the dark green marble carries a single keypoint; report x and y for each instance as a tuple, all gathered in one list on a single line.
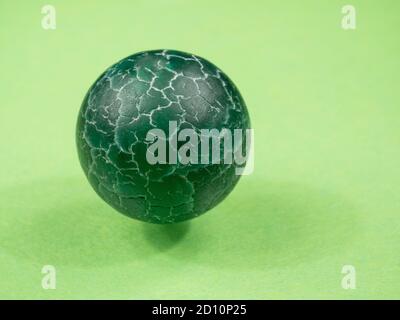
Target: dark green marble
[(144, 91)]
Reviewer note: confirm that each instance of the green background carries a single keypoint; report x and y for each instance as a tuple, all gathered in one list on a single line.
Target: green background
[(324, 104)]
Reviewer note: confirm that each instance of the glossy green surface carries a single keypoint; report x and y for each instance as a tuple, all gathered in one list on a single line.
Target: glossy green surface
[(324, 105), (146, 91)]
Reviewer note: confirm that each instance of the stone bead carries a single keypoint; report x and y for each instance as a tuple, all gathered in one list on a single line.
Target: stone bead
[(144, 91)]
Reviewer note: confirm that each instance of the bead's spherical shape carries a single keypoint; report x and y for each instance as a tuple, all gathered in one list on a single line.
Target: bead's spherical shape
[(151, 90)]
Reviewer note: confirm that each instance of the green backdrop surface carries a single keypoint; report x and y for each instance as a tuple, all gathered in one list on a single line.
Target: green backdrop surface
[(324, 104)]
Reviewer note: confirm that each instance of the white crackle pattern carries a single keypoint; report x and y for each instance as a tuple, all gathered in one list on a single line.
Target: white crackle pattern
[(145, 91)]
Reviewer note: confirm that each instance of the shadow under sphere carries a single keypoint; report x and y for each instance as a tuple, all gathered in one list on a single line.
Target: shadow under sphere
[(63, 222)]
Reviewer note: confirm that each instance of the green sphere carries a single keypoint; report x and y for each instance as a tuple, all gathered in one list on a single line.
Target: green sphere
[(151, 90)]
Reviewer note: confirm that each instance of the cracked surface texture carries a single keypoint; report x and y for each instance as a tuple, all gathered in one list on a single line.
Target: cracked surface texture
[(142, 92)]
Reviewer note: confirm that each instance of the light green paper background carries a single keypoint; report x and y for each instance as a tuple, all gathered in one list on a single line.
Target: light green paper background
[(324, 104)]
